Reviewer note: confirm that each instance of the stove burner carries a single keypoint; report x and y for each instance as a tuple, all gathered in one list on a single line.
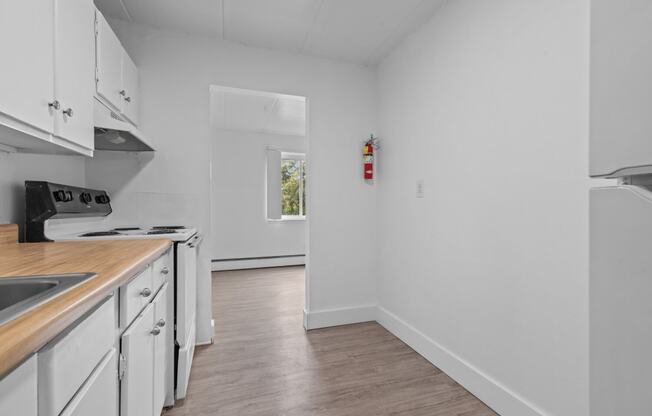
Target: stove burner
[(168, 227), (161, 231), (100, 234), (127, 229)]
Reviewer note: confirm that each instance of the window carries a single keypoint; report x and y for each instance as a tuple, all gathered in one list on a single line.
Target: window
[(286, 185), (293, 186)]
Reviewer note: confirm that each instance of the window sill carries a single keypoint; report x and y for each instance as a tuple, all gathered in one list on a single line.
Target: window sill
[(288, 218)]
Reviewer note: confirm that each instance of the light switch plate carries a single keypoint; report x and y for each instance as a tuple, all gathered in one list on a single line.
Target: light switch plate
[(420, 188)]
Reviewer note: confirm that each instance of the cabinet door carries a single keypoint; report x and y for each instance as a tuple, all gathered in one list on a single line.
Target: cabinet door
[(99, 394), (130, 87), (137, 383), (74, 70), (18, 390), (109, 63), (162, 347), (27, 81)]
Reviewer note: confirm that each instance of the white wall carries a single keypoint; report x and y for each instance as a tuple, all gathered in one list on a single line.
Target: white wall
[(16, 168), (487, 275), (240, 226), (176, 71)]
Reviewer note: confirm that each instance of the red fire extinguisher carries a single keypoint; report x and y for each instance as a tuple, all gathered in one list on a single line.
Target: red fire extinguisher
[(368, 157)]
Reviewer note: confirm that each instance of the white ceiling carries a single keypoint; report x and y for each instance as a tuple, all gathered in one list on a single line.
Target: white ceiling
[(258, 111), (361, 31)]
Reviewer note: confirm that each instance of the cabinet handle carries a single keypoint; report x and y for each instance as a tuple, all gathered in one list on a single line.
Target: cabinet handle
[(161, 323), (155, 331), (123, 92), (146, 292), (128, 99), (165, 270), (54, 104), (68, 112)]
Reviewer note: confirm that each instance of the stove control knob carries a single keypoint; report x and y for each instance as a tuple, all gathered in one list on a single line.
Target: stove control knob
[(69, 196), (85, 197), (59, 196), (102, 199)]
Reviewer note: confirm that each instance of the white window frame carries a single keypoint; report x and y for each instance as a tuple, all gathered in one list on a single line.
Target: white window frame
[(296, 156)]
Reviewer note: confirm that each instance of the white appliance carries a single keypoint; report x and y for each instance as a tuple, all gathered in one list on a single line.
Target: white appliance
[(620, 284), (57, 212)]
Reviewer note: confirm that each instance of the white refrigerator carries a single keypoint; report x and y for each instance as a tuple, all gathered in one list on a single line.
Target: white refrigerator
[(620, 285)]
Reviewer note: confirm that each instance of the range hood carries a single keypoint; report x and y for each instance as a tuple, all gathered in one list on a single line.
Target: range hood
[(115, 134)]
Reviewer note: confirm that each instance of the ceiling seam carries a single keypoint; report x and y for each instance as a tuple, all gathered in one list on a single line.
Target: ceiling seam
[(126, 10), (312, 26), (393, 33)]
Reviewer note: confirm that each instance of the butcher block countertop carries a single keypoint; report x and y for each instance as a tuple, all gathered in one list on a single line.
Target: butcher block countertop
[(114, 262)]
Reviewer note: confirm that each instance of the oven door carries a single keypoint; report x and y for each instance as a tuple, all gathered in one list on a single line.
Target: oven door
[(186, 307)]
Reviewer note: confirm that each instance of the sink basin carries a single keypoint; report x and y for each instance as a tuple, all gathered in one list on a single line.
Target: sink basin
[(20, 294)]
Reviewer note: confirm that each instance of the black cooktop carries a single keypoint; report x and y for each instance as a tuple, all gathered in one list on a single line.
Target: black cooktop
[(161, 231), (127, 229), (100, 234), (168, 227)]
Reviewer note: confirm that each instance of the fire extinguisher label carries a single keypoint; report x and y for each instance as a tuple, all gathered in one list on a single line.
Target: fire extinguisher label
[(368, 171)]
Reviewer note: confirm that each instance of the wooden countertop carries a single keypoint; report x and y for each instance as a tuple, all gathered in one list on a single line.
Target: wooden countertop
[(114, 262)]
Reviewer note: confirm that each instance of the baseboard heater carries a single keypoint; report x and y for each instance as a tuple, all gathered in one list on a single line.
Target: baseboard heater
[(258, 262)]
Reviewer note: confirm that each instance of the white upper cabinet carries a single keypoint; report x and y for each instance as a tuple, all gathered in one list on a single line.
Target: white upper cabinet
[(117, 75), (130, 89), (26, 29), (74, 71), (47, 63), (621, 91), (109, 63)]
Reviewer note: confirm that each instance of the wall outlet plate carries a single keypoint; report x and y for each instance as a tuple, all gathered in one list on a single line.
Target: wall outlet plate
[(420, 188)]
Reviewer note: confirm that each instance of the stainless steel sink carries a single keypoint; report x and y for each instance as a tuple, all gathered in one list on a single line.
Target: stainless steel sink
[(20, 294)]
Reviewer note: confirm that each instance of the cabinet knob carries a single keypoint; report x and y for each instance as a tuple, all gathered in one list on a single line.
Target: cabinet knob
[(128, 99), (155, 331), (146, 292), (54, 104), (123, 92), (161, 323), (68, 112), (165, 270)]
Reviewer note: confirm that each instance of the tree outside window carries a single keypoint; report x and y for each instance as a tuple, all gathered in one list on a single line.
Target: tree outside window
[(293, 186)]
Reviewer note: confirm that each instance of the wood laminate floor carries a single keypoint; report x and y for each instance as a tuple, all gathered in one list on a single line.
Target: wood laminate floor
[(264, 364)]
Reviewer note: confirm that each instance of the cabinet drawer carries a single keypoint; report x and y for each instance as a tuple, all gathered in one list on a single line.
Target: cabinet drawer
[(162, 271), (135, 295), (65, 363), (99, 395)]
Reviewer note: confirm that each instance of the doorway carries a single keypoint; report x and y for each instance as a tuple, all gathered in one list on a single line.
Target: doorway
[(259, 179)]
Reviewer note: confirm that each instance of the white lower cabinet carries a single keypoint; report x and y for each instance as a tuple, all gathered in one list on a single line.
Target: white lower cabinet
[(18, 390), (99, 394), (101, 365), (146, 351), (137, 382), (163, 357), (66, 362)]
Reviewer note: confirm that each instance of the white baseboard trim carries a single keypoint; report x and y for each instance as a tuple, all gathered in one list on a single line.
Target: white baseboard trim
[(495, 395), (340, 316), (243, 264)]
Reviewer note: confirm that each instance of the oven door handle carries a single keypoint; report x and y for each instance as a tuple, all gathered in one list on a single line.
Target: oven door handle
[(196, 241)]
